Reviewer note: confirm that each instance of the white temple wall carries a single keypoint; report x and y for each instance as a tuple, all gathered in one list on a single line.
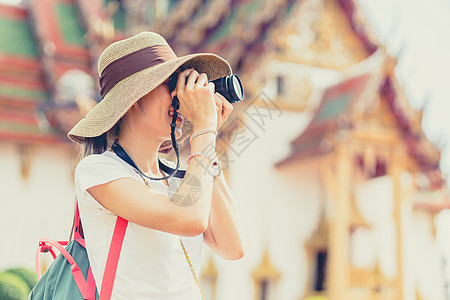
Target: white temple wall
[(278, 213), (422, 265), (38, 206), (426, 258)]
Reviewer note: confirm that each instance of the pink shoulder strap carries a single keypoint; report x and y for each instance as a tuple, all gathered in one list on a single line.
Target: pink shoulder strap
[(88, 287), (113, 256)]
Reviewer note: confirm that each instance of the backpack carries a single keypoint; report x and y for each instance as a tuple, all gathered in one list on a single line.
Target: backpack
[(70, 275)]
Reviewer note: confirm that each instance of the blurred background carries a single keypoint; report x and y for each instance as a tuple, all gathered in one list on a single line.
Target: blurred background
[(337, 157)]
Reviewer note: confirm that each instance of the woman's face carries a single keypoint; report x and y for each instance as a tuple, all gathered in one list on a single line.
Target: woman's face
[(154, 114)]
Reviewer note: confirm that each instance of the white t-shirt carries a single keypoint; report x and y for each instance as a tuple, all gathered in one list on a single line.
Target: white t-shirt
[(152, 264)]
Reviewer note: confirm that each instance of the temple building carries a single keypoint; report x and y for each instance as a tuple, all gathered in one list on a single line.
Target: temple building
[(337, 185)]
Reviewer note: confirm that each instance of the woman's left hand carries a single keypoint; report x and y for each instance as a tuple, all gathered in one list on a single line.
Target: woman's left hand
[(223, 107)]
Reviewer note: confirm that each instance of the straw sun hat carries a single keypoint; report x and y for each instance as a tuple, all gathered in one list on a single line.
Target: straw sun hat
[(131, 68)]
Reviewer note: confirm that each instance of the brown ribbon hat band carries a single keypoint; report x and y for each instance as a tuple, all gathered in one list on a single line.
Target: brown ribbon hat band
[(131, 68), (132, 63)]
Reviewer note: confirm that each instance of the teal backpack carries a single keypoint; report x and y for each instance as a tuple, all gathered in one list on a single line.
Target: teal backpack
[(70, 275)]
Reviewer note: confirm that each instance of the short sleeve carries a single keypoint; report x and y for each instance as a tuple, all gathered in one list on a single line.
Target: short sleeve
[(99, 169)]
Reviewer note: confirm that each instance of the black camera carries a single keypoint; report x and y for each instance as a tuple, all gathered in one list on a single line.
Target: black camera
[(229, 86)]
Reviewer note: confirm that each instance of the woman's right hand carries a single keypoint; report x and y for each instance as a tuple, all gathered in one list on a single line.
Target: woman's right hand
[(196, 97)]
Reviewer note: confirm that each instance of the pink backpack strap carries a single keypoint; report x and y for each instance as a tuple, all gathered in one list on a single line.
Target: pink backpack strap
[(111, 262), (76, 272), (90, 289), (90, 286), (77, 236), (113, 258), (45, 246)]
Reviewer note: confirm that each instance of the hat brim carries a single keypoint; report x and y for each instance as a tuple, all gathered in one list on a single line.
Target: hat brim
[(125, 93)]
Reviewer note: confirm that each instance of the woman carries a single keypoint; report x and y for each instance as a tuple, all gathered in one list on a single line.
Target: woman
[(136, 112)]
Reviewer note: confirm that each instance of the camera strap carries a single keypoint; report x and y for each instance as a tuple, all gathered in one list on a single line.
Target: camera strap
[(168, 170), (118, 149)]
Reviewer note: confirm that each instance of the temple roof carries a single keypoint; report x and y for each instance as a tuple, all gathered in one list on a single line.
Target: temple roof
[(41, 40), (350, 11), (331, 116), (238, 29), (22, 86), (335, 113), (38, 44)]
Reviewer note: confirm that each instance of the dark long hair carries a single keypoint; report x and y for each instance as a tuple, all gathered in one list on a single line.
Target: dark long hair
[(91, 145), (94, 145), (98, 145)]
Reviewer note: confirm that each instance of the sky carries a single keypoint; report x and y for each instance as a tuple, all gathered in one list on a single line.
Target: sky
[(417, 32)]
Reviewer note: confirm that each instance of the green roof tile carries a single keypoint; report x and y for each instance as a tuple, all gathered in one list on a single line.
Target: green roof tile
[(239, 13), (16, 127), (118, 18), (20, 92), (71, 28), (334, 107), (289, 9), (16, 37)]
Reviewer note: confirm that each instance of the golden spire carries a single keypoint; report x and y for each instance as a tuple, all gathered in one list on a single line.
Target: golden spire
[(356, 219), (210, 271), (266, 271)]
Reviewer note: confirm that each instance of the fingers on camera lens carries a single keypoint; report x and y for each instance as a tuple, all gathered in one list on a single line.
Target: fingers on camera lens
[(202, 80), (192, 77), (211, 86)]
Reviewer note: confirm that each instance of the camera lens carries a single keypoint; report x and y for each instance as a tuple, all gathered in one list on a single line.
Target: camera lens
[(237, 88), (230, 87)]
